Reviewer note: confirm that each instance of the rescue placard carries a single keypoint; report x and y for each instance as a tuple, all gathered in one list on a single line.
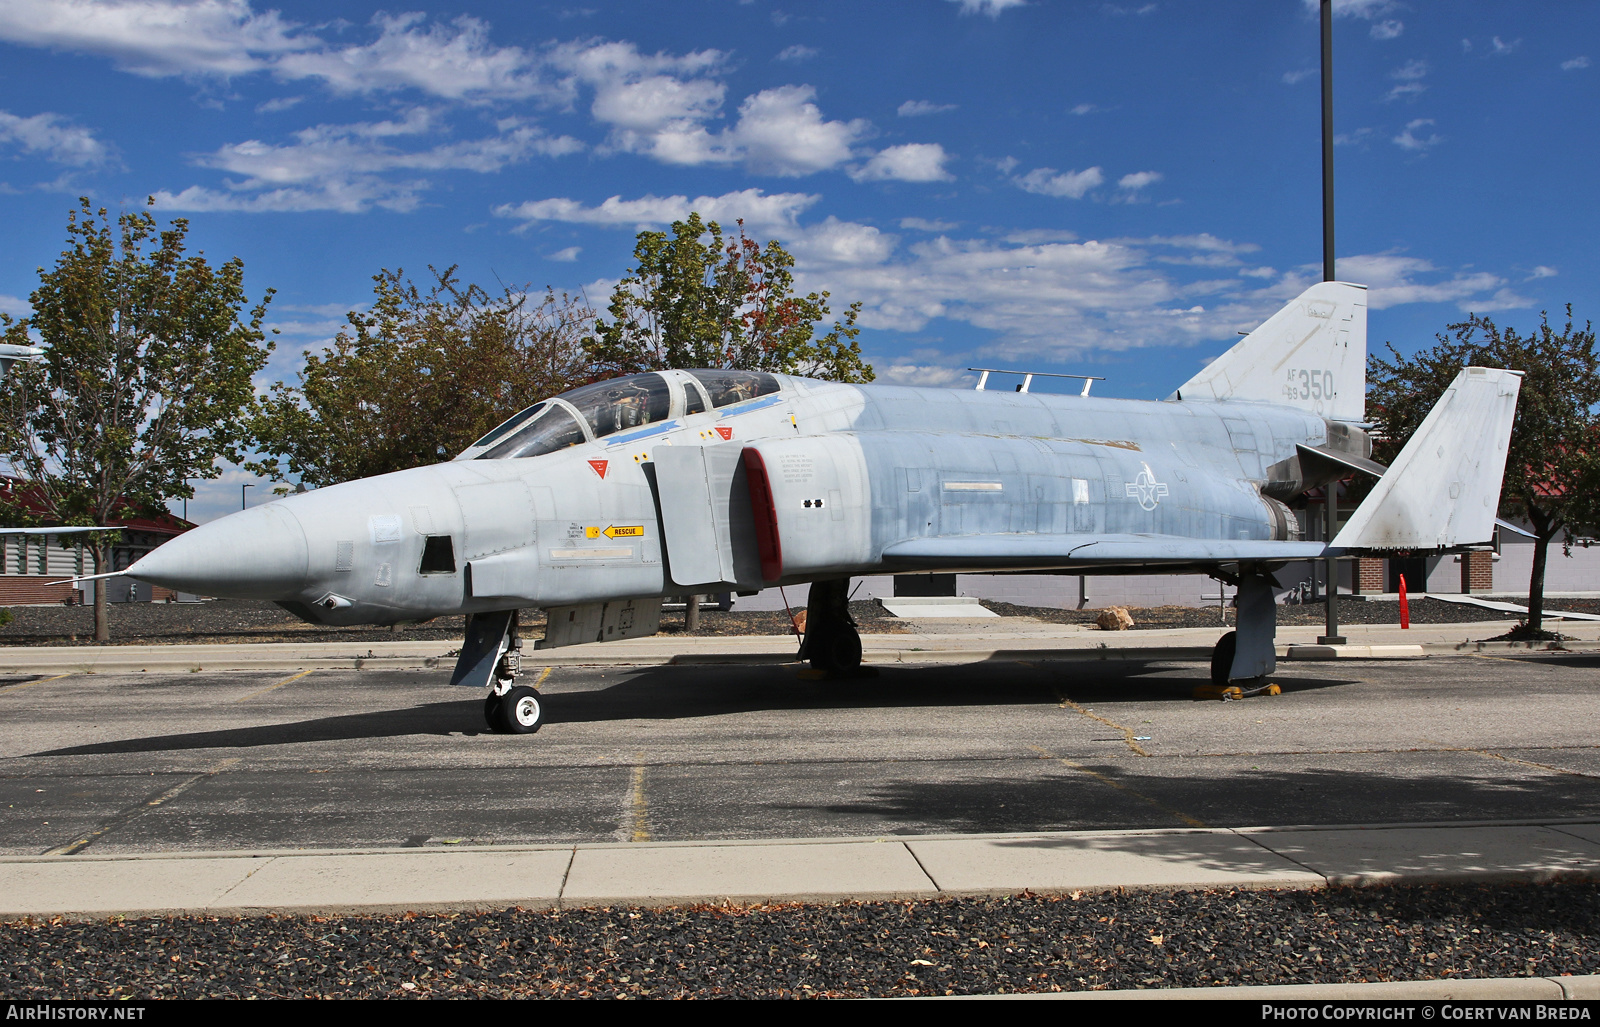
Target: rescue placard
[(625, 531)]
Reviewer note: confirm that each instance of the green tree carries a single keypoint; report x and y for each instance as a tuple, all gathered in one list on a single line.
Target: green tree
[(148, 359), (418, 378), (1553, 461), (695, 298)]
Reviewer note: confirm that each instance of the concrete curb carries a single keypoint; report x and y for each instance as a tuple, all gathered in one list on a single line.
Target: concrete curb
[(335, 882), (1548, 989)]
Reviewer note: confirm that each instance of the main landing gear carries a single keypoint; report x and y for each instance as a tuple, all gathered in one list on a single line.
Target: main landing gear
[(832, 643), (1242, 659)]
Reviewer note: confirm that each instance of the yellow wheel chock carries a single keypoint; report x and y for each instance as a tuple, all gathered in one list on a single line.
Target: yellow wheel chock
[(1230, 693)]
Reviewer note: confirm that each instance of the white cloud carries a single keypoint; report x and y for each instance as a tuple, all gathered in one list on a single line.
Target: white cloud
[(1367, 9), (454, 61), (1543, 271), (1389, 29), (1138, 180), (992, 8), (1501, 48), (758, 209), (567, 255), (52, 137), (1575, 64), (797, 53), (1410, 140), (924, 225), (277, 104), (842, 242), (1047, 182), (14, 306), (156, 37), (341, 167), (921, 108), (1292, 77), (1392, 280), (1409, 78), (1081, 109), (926, 375), (912, 162), (781, 132)]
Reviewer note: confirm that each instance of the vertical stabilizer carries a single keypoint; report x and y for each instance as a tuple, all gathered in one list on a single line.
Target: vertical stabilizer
[(1311, 355), (1444, 487)]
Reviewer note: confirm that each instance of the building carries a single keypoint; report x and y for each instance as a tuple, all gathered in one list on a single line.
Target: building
[(34, 568)]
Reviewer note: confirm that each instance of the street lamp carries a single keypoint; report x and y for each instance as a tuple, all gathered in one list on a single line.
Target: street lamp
[(242, 495)]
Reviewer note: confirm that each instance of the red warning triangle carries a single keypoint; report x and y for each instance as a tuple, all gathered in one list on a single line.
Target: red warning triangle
[(726, 433), (600, 466)]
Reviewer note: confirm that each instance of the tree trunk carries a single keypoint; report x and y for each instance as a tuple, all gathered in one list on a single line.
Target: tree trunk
[(102, 609), (691, 614), (1544, 529)]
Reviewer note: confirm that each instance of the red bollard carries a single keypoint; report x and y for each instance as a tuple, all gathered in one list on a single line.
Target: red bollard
[(1405, 608)]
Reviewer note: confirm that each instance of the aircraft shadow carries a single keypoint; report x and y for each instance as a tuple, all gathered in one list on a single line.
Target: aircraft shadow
[(683, 692)]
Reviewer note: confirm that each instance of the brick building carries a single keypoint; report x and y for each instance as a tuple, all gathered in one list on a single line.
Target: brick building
[(34, 568)]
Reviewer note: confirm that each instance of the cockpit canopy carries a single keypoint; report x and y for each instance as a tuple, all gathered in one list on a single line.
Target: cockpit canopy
[(615, 405)]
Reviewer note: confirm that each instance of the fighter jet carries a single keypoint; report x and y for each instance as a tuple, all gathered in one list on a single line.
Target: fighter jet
[(595, 504)]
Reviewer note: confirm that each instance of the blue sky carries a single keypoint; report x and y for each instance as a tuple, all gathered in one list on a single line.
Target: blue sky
[(1106, 188)]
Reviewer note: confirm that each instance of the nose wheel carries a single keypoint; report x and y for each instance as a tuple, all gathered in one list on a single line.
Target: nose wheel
[(518, 712), (832, 643)]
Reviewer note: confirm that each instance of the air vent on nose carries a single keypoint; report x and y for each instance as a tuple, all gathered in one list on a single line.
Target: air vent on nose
[(344, 556), (438, 556)]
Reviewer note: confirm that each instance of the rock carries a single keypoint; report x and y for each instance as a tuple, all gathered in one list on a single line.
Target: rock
[(1114, 618)]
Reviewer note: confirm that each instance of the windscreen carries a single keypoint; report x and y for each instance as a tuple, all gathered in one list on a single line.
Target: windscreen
[(516, 420), (554, 429), (728, 387), (622, 403)]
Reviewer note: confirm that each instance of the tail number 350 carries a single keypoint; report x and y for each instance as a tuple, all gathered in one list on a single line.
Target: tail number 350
[(1304, 383)]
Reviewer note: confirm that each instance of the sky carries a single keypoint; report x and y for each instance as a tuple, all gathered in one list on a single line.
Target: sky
[(1115, 189)]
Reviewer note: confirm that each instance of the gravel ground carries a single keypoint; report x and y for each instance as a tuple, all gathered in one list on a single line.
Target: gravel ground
[(239, 620), (965, 946)]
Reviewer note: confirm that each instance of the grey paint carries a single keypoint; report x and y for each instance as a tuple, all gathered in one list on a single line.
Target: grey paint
[(864, 480)]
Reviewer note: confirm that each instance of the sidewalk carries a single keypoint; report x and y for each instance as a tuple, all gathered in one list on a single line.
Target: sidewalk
[(925, 642), (805, 870)]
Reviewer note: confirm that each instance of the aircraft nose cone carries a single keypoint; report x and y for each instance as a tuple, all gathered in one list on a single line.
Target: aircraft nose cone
[(253, 554)]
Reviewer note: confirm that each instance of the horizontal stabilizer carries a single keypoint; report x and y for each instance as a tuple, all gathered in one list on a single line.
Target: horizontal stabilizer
[(1041, 552), (1444, 487), (1316, 459)]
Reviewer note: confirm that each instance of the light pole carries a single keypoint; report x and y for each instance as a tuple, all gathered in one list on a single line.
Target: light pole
[(242, 495), (1330, 507)]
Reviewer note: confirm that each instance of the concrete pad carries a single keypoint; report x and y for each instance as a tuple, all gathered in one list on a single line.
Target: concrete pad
[(1102, 860), (1421, 855), (1353, 652), (72, 885), (674, 874), (399, 881), (911, 607), (1588, 832)]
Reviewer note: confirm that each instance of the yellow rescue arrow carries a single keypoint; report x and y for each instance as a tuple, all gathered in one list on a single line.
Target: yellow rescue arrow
[(625, 531)]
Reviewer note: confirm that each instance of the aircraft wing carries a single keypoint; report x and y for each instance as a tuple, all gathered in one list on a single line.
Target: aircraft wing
[(976, 553)]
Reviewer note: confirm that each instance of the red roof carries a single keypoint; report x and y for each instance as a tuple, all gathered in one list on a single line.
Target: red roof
[(15, 491)]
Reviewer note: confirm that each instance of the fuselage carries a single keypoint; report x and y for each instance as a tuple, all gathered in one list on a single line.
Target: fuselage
[(849, 471)]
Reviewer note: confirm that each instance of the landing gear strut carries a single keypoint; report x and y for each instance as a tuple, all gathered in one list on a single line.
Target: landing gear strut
[(832, 643)]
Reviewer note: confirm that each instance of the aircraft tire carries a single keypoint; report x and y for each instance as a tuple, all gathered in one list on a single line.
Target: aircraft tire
[(1222, 658), (520, 712), (839, 651)]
